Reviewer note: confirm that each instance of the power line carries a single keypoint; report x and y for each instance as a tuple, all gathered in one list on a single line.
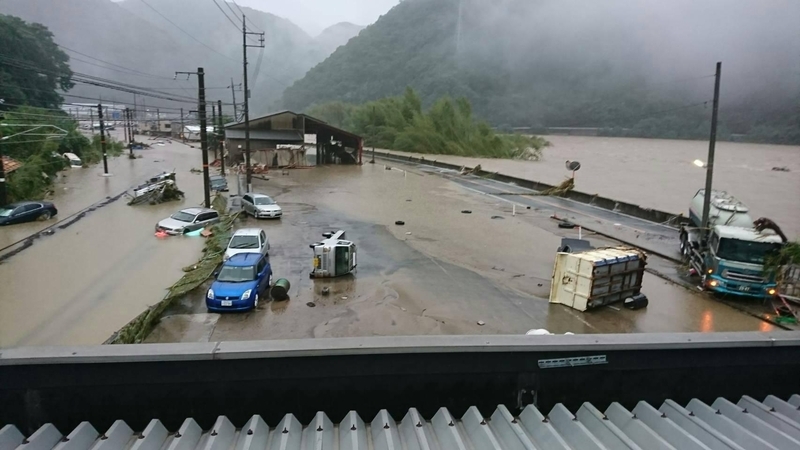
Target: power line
[(134, 71), (186, 33), (242, 13), (226, 14)]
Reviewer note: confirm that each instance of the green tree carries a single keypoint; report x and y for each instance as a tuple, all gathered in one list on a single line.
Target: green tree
[(32, 67)]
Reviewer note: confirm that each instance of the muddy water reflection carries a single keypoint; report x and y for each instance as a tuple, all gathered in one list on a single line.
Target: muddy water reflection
[(83, 283)]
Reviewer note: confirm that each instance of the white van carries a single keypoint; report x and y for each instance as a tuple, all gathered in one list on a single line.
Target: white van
[(73, 159)]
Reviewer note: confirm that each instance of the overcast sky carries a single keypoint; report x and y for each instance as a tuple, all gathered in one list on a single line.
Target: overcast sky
[(316, 15)]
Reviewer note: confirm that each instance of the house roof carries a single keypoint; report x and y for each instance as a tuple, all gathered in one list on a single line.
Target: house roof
[(10, 164), (312, 125)]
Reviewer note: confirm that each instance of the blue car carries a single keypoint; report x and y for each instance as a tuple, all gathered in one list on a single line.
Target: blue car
[(240, 282)]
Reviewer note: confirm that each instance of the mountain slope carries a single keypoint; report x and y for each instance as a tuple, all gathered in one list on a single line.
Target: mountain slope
[(549, 63), (337, 35), (132, 35)]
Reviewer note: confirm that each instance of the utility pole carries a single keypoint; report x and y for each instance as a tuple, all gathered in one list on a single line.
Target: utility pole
[(711, 144), (216, 131), (201, 111), (91, 114), (129, 125), (158, 121), (183, 128), (3, 198), (233, 95), (221, 137), (245, 33), (102, 138), (135, 110), (125, 124)]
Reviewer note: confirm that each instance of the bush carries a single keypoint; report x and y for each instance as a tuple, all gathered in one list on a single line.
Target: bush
[(447, 128)]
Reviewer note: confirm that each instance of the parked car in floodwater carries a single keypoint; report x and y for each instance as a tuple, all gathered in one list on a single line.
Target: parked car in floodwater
[(260, 205), (247, 240), (239, 283), (218, 183), (26, 212), (186, 220)]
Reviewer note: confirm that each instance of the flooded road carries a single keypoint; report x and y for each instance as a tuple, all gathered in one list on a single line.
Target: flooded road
[(442, 272), (84, 282), (659, 174)]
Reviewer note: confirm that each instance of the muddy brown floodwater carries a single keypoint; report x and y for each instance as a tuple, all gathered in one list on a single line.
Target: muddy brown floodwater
[(86, 281), (440, 273), (659, 174)]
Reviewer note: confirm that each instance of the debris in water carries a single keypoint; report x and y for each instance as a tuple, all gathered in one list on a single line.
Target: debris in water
[(195, 233), (781, 169), (498, 217), (161, 234), (408, 233), (399, 222), (206, 232), (481, 323), (49, 232), (280, 290), (566, 224), (466, 211), (344, 297), (326, 290), (311, 304), (617, 224), (408, 199), (194, 170), (539, 284)]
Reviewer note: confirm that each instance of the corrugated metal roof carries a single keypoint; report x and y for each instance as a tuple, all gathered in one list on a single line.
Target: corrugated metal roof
[(10, 164), (748, 424)]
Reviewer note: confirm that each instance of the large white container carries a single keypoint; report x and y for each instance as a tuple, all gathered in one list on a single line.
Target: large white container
[(598, 277)]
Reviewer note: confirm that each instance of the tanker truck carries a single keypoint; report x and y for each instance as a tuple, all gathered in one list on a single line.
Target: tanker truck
[(729, 255)]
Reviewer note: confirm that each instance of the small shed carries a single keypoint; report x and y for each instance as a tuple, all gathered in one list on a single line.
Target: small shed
[(287, 138)]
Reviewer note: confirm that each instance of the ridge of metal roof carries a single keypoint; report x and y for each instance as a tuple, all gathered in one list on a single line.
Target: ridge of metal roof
[(773, 423)]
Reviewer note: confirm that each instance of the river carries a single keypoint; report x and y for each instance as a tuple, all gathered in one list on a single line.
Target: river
[(659, 173)]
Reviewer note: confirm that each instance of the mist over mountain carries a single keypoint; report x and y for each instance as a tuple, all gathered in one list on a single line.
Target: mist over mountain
[(337, 35), (135, 36), (613, 63)]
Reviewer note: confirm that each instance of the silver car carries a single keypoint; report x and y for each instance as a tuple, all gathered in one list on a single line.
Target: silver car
[(186, 220), (247, 240), (261, 206)]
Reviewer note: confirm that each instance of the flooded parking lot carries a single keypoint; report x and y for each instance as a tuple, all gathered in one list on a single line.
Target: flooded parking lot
[(442, 272)]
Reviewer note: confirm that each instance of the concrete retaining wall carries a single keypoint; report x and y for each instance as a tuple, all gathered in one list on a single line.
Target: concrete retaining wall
[(610, 204)]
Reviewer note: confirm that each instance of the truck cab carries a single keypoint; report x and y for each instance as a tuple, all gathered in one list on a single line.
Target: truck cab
[(729, 255), (734, 261)]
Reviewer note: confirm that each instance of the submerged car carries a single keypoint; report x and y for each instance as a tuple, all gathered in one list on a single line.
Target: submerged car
[(239, 283), (186, 220), (218, 183), (261, 206), (247, 240), (26, 212)]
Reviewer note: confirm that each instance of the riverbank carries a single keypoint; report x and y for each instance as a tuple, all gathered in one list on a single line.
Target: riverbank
[(659, 174)]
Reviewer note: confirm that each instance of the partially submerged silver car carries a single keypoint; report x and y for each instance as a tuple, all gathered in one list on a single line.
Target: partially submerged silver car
[(186, 220)]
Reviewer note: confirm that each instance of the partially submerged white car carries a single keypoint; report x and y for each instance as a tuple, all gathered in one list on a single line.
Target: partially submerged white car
[(247, 240)]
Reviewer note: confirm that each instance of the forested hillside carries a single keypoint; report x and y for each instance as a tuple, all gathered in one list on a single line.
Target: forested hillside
[(631, 68)]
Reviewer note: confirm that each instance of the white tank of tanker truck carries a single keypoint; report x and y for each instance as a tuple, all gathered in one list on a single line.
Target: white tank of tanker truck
[(729, 255)]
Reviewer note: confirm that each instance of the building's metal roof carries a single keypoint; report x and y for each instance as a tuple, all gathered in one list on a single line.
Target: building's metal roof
[(748, 424), (10, 164), (271, 135)]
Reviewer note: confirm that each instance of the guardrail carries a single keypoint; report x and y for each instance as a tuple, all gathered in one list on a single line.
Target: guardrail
[(135, 383), (630, 209)]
